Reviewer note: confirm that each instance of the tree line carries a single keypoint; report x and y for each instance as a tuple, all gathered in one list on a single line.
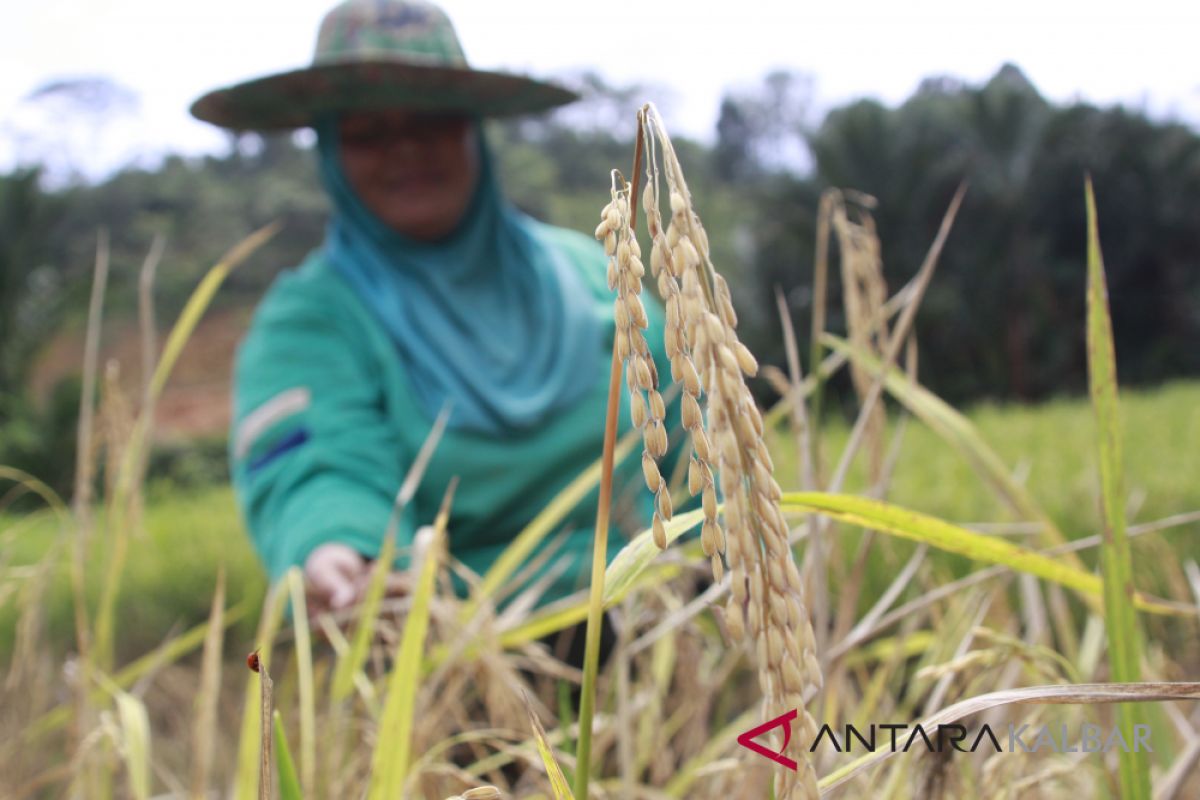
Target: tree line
[(1003, 318)]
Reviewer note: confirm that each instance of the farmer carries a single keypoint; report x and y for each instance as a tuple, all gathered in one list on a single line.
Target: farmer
[(429, 292)]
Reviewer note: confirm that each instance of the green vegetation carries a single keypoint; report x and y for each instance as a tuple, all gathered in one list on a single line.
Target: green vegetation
[(916, 617), (172, 572), (170, 575)]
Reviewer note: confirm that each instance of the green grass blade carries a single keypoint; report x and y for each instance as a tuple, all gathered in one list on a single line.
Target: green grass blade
[(135, 732), (289, 784), (393, 750), (545, 623), (558, 781), (635, 557), (134, 729), (908, 524), (957, 431), (634, 566), (204, 726), (308, 701), (119, 517), (364, 633), (1116, 559), (368, 618)]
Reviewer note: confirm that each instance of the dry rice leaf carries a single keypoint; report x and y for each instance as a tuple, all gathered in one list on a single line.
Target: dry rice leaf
[(166, 653), (1070, 694), (688, 773)]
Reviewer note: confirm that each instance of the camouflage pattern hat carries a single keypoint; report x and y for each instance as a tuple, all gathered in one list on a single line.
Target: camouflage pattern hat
[(378, 54)]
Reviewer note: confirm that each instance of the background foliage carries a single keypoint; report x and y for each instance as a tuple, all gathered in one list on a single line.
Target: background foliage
[(1003, 320)]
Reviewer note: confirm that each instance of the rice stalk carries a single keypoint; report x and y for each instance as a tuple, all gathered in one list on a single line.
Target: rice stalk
[(246, 778), (31, 599), (900, 333), (638, 372), (864, 293), (82, 498), (81, 503), (820, 301), (767, 594), (149, 335), (801, 424), (1116, 559), (266, 735)]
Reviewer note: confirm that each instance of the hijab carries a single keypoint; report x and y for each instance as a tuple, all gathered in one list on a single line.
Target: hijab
[(492, 319)]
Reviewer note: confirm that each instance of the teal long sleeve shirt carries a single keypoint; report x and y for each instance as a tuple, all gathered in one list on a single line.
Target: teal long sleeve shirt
[(326, 426)]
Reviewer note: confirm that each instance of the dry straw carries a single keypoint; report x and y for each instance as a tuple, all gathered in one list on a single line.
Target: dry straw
[(864, 294), (708, 360)]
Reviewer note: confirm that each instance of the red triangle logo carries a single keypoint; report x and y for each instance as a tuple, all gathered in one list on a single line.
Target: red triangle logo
[(783, 720)]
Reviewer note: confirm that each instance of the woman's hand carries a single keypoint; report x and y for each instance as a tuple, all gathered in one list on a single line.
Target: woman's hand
[(337, 577), (335, 574)]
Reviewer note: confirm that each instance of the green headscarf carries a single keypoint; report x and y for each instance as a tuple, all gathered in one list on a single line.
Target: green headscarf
[(492, 319)]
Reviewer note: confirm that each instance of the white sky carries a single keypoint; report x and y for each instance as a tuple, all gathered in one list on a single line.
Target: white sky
[(170, 51)]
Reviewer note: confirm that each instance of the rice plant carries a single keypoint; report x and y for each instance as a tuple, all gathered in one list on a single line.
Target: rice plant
[(818, 600)]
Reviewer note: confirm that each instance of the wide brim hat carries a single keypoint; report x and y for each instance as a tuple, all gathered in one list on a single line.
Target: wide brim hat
[(374, 55)]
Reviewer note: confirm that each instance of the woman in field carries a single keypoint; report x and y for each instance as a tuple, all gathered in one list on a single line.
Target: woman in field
[(430, 291)]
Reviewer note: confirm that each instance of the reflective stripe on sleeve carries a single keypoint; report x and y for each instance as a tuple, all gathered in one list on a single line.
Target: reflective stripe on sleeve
[(280, 407)]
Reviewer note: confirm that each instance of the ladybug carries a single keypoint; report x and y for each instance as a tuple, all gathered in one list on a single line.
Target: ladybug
[(252, 661)]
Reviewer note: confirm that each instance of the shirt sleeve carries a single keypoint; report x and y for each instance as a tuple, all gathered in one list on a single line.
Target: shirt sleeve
[(313, 456)]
